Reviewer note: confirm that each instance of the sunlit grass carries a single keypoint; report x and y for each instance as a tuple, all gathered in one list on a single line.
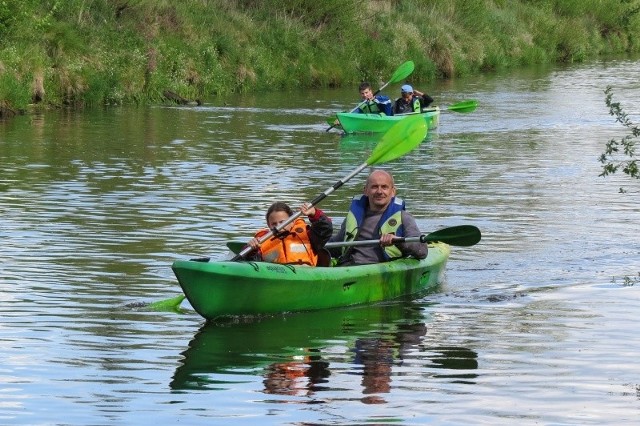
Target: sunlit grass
[(100, 52)]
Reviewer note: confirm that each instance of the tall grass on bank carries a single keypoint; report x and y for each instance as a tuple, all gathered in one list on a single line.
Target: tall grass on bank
[(83, 52)]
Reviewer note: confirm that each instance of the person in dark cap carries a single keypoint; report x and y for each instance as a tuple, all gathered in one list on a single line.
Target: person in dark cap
[(411, 101)]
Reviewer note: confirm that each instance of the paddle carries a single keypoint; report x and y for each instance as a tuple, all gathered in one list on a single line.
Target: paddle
[(462, 236), (401, 138), (464, 106), (171, 304), (331, 121), (401, 73)]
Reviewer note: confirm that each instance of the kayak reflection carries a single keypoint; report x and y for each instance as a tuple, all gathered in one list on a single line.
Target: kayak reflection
[(297, 354)]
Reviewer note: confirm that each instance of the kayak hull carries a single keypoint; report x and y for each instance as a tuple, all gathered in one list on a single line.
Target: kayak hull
[(226, 288), (374, 123)]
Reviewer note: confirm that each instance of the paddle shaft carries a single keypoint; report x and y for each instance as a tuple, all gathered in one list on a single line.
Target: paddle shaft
[(462, 235), (420, 239)]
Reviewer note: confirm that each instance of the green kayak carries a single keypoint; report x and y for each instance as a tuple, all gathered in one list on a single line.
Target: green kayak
[(226, 288), (353, 122)]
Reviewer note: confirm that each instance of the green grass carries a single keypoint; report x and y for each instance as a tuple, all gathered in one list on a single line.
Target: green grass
[(130, 51)]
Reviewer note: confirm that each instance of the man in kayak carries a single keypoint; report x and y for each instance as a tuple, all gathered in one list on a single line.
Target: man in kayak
[(372, 104), (297, 243), (411, 100), (378, 214)]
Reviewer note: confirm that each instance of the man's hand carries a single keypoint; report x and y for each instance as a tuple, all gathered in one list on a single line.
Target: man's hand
[(387, 239)]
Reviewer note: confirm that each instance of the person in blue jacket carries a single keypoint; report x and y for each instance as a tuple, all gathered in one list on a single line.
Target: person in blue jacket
[(411, 101), (371, 104), (377, 214)]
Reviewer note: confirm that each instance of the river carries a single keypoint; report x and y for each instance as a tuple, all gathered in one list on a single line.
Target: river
[(535, 324)]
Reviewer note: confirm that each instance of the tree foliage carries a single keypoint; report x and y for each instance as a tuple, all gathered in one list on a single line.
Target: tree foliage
[(620, 154)]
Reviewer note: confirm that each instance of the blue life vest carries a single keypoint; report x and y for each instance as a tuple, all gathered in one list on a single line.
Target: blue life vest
[(390, 222)]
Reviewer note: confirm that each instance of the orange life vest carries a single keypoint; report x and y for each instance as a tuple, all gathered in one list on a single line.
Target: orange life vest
[(294, 248)]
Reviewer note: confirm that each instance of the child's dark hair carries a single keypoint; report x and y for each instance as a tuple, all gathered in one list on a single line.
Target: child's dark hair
[(364, 85), (278, 206)]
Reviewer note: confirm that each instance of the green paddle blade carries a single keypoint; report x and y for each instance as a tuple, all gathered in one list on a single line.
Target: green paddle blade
[(402, 72), (463, 235), (464, 106), (171, 304), (236, 246), (332, 121), (401, 138)]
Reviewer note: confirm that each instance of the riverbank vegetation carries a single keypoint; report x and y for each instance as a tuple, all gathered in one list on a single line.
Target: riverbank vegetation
[(97, 52), (620, 154)]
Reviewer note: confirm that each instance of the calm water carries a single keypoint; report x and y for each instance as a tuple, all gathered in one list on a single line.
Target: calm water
[(532, 325)]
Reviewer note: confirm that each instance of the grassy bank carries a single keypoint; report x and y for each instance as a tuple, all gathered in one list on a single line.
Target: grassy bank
[(97, 52)]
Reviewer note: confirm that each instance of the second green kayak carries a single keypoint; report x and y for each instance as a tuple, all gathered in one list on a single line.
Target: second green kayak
[(374, 123), (225, 288)]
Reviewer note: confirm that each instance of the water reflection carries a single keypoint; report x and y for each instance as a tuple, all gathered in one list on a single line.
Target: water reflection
[(304, 375), (377, 356), (297, 355), (455, 358)]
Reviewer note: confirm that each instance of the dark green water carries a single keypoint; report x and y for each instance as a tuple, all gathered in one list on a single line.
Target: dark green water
[(533, 325)]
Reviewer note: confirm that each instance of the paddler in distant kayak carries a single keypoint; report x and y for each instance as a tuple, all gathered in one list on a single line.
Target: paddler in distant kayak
[(411, 101), (297, 243), (373, 104)]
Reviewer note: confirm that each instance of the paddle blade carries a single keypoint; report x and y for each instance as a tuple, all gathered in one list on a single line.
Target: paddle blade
[(463, 235), (333, 122), (402, 72), (402, 137), (236, 246), (464, 106), (171, 304)]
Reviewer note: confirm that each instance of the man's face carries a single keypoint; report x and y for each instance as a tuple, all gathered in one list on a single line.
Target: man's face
[(380, 190)]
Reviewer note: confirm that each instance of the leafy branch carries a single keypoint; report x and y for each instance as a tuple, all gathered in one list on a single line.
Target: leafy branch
[(620, 154)]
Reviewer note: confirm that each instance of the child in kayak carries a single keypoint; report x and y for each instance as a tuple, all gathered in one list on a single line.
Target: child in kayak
[(297, 243), (372, 104)]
